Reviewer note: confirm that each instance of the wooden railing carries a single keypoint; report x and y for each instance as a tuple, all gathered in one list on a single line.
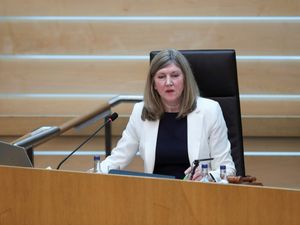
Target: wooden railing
[(45, 133)]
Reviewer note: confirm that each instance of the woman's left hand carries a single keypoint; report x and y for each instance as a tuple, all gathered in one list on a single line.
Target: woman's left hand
[(196, 176)]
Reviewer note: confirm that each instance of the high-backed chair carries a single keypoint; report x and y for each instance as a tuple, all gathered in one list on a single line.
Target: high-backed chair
[(215, 72)]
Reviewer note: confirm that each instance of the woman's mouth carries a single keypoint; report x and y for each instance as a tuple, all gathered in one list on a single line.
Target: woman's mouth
[(169, 91)]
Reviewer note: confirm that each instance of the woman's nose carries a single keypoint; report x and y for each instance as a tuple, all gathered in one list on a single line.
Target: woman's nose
[(169, 81)]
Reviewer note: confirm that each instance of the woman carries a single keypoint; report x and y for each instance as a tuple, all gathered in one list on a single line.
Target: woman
[(173, 126)]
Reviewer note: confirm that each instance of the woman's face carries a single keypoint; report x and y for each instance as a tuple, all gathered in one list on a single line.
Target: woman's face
[(169, 83)]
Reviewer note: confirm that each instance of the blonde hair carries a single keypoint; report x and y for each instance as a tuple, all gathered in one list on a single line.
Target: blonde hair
[(153, 106)]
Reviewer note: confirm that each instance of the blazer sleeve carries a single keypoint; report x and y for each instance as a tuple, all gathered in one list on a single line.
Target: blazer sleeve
[(219, 144), (127, 146)]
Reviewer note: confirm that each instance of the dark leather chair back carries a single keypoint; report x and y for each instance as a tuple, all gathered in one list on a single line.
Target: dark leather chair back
[(215, 72)]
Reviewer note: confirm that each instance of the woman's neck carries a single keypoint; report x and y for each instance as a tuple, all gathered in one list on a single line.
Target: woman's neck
[(171, 107)]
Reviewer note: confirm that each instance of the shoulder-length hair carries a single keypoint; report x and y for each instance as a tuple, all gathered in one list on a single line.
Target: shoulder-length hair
[(153, 106)]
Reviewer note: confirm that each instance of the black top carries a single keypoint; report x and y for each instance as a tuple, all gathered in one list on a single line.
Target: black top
[(171, 148)]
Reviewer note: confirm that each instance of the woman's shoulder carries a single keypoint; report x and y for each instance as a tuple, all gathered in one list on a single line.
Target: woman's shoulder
[(202, 102), (207, 105), (138, 106), (208, 108), (137, 109)]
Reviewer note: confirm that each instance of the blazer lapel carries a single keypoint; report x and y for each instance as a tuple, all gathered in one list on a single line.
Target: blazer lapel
[(150, 134), (195, 134)]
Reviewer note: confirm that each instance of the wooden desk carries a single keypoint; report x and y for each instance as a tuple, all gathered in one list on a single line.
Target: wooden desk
[(41, 197)]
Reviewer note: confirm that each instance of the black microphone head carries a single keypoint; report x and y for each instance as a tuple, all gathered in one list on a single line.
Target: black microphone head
[(114, 116)]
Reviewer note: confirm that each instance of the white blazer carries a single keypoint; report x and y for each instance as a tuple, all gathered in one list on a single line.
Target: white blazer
[(207, 137)]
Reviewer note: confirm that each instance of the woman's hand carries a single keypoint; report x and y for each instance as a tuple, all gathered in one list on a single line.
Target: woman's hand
[(196, 175)]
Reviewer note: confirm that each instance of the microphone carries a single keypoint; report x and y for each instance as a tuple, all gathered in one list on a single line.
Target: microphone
[(110, 119)]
